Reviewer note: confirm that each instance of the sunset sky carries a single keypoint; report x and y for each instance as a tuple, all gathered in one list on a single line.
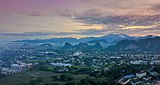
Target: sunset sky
[(36, 19)]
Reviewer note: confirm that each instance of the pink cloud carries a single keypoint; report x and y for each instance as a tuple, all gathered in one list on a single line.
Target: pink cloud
[(12, 5)]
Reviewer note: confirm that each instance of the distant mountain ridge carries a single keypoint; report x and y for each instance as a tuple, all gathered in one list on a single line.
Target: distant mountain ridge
[(123, 43), (82, 46), (150, 43), (105, 39), (98, 41)]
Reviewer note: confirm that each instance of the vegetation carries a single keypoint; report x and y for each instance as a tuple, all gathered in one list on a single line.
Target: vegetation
[(49, 77)]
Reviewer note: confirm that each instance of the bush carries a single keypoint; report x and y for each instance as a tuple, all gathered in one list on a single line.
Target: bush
[(66, 77), (70, 83)]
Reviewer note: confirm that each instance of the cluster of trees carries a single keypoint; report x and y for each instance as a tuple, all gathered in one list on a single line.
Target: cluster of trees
[(2, 75), (96, 81), (99, 77), (36, 81), (157, 69), (95, 77), (63, 77), (85, 81)]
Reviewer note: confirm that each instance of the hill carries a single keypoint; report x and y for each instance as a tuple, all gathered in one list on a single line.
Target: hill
[(149, 44)]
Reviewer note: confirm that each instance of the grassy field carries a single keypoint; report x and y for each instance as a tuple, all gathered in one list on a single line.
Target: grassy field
[(25, 77)]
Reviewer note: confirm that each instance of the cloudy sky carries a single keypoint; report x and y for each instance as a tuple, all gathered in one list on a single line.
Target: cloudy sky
[(32, 19)]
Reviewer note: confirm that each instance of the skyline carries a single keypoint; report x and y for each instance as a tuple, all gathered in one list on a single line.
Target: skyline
[(38, 19)]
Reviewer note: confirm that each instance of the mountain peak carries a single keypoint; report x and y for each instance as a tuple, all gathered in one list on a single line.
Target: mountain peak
[(115, 37), (150, 36), (98, 45), (67, 45)]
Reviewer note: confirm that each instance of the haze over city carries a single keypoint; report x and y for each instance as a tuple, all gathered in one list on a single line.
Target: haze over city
[(79, 42)]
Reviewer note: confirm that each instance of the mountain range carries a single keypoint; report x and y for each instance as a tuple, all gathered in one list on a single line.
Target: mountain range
[(114, 42), (111, 38), (82, 46), (150, 43)]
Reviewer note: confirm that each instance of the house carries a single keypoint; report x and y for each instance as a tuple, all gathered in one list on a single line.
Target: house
[(157, 83), (15, 66), (136, 81), (5, 70), (146, 78), (135, 62), (153, 73), (77, 53), (141, 74), (61, 64), (126, 79)]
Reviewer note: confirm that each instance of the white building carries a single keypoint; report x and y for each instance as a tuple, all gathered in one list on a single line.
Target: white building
[(135, 62), (77, 53), (141, 74), (61, 64)]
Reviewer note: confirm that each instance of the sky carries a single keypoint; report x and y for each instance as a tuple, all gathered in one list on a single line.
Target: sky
[(41, 19)]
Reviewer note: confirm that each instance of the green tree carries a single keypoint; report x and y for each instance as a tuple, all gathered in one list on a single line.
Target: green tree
[(71, 83), (66, 77)]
